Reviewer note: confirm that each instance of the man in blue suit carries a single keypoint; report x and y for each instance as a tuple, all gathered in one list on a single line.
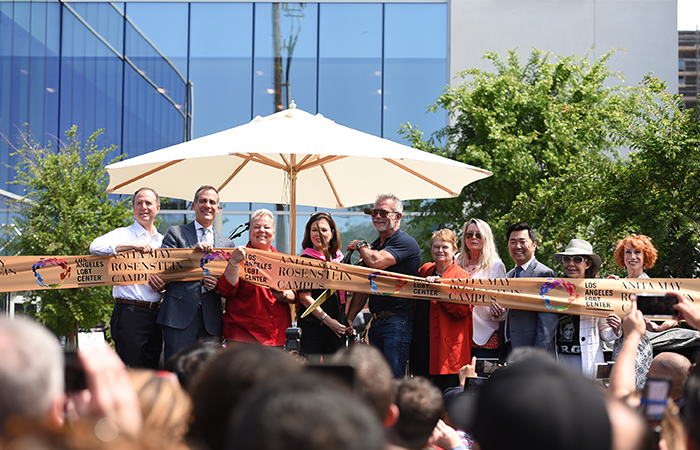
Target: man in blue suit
[(191, 310), (527, 328)]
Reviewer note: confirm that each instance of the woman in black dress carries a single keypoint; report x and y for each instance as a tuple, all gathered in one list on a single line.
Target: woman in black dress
[(323, 331)]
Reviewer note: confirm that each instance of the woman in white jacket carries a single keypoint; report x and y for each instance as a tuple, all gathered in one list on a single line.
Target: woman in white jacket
[(578, 337), (480, 258)]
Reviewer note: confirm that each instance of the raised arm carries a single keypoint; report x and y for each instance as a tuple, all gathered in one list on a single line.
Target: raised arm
[(623, 377)]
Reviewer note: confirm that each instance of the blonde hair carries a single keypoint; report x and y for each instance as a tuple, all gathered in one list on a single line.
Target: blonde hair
[(165, 406), (488, 256)]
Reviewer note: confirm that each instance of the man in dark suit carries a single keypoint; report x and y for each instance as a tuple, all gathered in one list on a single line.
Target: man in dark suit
[(191, 310), (527, 328)]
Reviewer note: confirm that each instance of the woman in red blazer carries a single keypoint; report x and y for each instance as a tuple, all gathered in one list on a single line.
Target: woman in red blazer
[(450, 332)]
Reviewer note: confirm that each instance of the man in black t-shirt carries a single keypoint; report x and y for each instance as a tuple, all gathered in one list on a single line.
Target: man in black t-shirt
[(394, 251)]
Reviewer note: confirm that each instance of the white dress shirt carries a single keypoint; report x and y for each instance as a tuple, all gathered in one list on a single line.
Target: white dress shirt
[(106, 245)]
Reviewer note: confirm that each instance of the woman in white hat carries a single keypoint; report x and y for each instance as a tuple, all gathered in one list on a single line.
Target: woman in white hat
[(578, 337)]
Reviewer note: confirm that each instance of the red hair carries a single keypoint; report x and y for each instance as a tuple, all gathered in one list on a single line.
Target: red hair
[(640, 242)]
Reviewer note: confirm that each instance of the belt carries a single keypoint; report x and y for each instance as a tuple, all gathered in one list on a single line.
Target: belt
[(383, 314), (149, 305)]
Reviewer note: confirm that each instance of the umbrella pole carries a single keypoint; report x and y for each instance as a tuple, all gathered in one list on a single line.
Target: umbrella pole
[(293, 217), (293, 225)]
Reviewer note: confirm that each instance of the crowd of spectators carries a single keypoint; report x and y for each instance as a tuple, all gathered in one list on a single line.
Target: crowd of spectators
[(247, 391)]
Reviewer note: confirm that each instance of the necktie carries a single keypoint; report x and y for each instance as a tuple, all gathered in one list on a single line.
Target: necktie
[(206, 235), (506, 325)]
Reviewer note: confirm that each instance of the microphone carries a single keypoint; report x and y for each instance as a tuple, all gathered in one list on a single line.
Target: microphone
[(667, 271), (242, 227)]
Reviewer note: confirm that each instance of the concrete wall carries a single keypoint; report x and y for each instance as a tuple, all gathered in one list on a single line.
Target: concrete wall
[(645, 28)]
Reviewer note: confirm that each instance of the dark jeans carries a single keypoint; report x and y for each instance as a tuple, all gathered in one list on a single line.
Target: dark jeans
[(137, 338), (392, 336)]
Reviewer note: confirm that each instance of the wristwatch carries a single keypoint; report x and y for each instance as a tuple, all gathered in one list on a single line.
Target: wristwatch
[(361, 244)]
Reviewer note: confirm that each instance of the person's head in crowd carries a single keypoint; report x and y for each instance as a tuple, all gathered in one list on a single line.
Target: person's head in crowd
[(443, 245), (85, 436), (165, 406), (321, 231), (449, 398), (579, 260), (635, 253), (478, 243), (673, 366), (31, 375), (387, 213), (374, 381), (220, 385), (691, 411), (262, 229), (669, 429), (420, 407), (146, 205), (206, 205), (545, 405), (672, 428), (522, 242), (303, 411), (187, 362), (526, 353)]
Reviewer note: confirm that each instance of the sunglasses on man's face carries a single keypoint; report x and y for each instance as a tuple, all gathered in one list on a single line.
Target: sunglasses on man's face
[(470, 235), (575, 259), (378, 212)]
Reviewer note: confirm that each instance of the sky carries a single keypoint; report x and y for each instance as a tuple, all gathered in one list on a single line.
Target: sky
[(688, 15)]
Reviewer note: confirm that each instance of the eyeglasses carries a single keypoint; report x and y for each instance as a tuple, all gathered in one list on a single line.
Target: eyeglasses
[(378, 212), (575, 259), (470, 235)]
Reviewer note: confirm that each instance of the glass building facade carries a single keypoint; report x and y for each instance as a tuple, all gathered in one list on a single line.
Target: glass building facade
[(155, 74)]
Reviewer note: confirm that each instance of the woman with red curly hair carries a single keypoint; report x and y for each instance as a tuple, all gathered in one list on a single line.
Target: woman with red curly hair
[(636, 253)]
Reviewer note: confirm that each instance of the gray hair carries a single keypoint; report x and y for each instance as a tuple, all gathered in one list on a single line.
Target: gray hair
[(263, 212), (398, 204), (206, 187), (31, 370)]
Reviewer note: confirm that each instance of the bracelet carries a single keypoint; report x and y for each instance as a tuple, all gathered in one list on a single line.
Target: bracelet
[(323, 317)]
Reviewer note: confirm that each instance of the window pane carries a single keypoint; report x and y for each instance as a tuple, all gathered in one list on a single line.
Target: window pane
[(415, 66), (221, 46), (350, 69), (165, 25), (292, 29)]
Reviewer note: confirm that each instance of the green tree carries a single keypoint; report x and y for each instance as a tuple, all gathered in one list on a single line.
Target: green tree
[(525, 123), (64, 208), (654, 191)]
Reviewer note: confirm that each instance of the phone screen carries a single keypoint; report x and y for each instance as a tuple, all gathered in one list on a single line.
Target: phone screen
[(655, 397), (602, 370), (657, 305), (74, 375), (486, 365)]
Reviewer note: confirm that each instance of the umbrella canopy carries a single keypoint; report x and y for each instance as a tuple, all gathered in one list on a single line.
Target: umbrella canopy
[(295, 158)]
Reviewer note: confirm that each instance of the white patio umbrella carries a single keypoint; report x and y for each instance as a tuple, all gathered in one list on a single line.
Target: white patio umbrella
[(295, 158)]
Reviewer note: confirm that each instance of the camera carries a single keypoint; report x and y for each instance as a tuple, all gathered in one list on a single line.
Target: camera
[(293, 335)]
